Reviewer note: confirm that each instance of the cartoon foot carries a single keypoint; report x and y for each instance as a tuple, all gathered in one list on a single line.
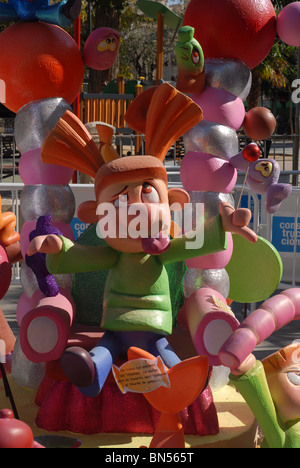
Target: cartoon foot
[(72, 9), (78, 366)]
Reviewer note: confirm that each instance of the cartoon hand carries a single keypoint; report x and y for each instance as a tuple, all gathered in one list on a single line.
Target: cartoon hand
[(236, 221), (247, 365), (50, 244)]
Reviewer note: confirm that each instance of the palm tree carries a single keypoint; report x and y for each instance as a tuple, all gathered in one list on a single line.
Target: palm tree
[(278, 69), (274, 75)]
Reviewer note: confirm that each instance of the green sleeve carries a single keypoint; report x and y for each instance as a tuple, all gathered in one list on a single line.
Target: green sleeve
[(76, 258), (208, 240), (254, 388)]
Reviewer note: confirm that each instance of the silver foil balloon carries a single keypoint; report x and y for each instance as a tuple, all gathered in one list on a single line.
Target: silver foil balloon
[(211, 201), (229, 74), (195, 279), (219, 378), (24, 372), (36, 120), (28, 280), (212, 138), (41, 200)]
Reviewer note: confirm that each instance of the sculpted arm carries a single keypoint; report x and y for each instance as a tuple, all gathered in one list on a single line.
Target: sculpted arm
[(63, 256)]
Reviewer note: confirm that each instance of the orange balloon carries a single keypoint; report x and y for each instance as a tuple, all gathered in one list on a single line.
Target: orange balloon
[(38, 61), (259, 123)]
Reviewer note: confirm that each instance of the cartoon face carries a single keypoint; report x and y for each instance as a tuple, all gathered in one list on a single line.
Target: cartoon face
[(284, 385), (189, 52), (265, 168), (262, 174), (101, 48), (133, 205), (109, 43), (139, 210)]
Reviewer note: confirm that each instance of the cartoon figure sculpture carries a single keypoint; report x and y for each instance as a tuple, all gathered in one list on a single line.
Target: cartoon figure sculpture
[(271, 387), (62, 13), (190, 59), (263, 178), (101, 48), (137, 302)]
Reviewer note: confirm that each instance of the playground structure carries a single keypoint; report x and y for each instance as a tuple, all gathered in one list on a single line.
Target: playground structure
[(57, 312)]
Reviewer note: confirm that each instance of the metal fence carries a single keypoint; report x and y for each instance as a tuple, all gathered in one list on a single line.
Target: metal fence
[(278, 147)]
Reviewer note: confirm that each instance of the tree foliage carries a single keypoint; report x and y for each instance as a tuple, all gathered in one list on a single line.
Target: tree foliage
[(274, 76)]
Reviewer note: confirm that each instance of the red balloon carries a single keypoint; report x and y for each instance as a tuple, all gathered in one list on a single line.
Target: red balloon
[(14, 433), (239, 29), (251, 153), (38, 61), (259, 123)]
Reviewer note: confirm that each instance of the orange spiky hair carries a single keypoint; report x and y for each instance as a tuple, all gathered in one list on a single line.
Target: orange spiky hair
[(282, 358), (164, 114), (170, 115), (70, 144)]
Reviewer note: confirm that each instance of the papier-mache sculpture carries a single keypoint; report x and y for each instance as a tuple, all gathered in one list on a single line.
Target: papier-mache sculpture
[(101, 48), (42, 78), (137, 302), (271, 387), (216, 73)]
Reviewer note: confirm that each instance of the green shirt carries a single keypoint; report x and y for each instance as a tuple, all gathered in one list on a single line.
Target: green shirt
[(137, 292)]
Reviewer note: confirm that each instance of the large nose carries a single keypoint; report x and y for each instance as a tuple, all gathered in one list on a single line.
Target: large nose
[(151, 217)]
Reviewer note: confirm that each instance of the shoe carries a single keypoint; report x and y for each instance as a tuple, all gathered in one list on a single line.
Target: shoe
[(78, 366)]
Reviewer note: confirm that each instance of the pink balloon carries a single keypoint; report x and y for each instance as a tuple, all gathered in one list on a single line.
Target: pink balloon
[(202, 172), (34, 171), (215, 261), (23, 307), (221, 107), (101, 48), (288, 24)]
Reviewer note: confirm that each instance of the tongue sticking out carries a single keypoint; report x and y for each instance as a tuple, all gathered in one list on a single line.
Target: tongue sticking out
[(156, 245)]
